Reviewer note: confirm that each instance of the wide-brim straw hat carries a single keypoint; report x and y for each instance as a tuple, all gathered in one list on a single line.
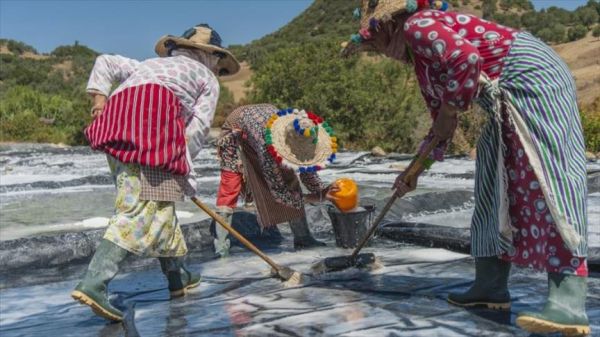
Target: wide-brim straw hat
[(374, 12), (204, 38), (300, 140), (380, 10)]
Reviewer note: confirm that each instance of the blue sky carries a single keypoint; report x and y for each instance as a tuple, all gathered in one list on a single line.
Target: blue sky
[(131, 27)]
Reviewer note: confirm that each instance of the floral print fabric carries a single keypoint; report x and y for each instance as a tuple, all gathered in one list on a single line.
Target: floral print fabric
[(536, 239), (247, 125), (145, 228), (450, 51)]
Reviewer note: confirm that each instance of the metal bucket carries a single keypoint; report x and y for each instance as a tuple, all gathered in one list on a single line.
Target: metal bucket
[(349, 228)]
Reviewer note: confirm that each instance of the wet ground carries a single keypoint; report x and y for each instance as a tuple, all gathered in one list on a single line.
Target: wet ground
[(237, 298)]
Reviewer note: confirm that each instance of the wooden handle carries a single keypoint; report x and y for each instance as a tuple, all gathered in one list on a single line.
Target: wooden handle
[(417, 164), (235, 233), (414, 167)]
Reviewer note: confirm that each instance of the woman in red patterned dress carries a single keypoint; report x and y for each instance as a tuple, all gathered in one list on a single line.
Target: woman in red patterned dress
[(528, 210)]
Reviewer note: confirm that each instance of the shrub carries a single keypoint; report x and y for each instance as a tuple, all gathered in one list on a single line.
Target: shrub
[(368, 102), (577, 32), (596, 31), (590, 119), (587, 15), (17, 47)]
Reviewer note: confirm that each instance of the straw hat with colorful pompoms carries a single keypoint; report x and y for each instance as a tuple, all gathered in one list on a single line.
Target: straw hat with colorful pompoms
[(300, 140), (373, 12)]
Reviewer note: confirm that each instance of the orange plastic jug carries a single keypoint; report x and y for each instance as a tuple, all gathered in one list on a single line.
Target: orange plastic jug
[(346, 199)]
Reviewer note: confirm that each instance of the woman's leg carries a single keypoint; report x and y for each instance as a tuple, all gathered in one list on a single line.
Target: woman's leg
[(539, 245), (179, 277), (490, 288), (102, 269), (229, 191), (302, 237), (564, 311)]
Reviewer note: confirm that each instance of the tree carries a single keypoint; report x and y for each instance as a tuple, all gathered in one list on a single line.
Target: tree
[(546, 35), (489, 9), (596, 32), (369, 102), (508, 19), (577, 32), (587, 15), (558, 33), (594, 4)]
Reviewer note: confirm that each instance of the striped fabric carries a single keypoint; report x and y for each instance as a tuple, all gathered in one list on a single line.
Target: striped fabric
[(142, 125), (537, 90), (270, 212)]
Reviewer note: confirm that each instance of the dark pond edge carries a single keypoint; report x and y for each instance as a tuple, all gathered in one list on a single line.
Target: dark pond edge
[(450, 238)]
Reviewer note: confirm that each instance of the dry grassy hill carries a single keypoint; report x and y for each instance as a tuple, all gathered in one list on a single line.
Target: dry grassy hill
[(583, 58), (236, 83)]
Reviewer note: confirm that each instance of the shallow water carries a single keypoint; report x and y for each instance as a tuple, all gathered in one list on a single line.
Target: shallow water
[(49, 189)]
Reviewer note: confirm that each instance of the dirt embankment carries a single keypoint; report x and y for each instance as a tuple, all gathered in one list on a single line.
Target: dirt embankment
[(583, 58), (236, 83)]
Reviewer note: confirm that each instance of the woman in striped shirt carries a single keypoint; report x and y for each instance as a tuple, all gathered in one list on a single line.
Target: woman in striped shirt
[(151, 126), (530, 184)]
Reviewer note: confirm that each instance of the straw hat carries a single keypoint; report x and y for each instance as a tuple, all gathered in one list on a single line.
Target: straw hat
[(300, 140), (201, 37), (373, 12)]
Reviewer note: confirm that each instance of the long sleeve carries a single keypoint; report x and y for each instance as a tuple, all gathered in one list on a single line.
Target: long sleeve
[(447, 66), (203, 113), (108, 70), (312, 182)]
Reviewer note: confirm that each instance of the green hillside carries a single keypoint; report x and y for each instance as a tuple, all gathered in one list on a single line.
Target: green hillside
[(294, 65), (371, 100), (332, 20), (324, 20), (42, 96)]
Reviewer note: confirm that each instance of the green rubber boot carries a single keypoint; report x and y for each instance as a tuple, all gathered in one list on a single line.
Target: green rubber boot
[(490, 288), (303, 239), (180, 279), (92, 289), (221, 242), (564, 311)]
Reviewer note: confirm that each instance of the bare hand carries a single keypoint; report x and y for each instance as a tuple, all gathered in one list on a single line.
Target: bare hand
[(330, 190), (98, 107), (403, 187)]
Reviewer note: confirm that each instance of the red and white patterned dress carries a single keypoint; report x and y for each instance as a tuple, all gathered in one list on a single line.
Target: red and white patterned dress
[(450, 52)]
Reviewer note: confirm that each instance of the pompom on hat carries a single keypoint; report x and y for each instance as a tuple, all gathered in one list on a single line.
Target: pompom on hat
[(202, 37), (300, 140), (373, 12)]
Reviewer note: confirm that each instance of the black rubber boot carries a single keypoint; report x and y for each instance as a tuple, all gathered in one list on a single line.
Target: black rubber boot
[(564, 311), (180, 279), (302, 237), (490, 288), (92, 289)]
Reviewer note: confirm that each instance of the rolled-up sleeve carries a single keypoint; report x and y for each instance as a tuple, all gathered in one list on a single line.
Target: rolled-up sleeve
[(312, 182)]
